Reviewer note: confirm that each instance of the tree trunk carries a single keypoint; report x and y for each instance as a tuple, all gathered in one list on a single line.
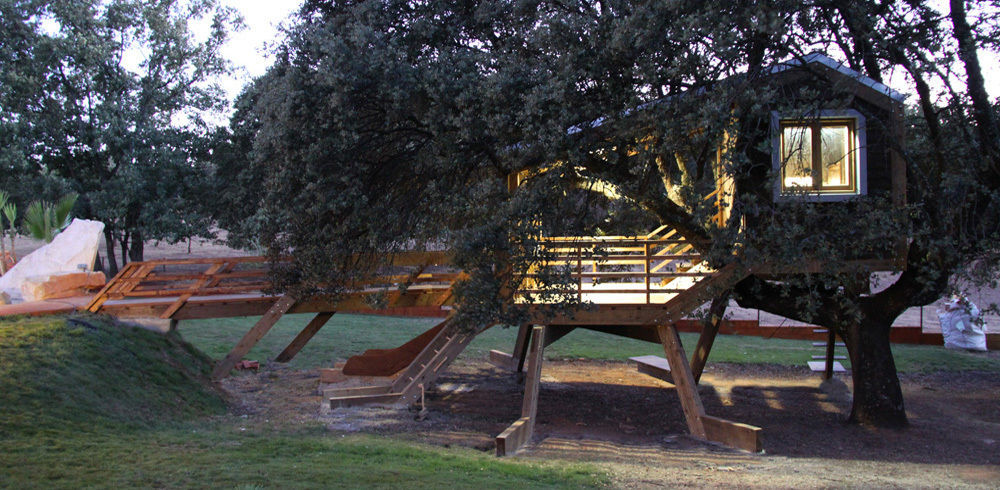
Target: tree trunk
[(878, 398), (135, 252), (109, 241), (124, 243)]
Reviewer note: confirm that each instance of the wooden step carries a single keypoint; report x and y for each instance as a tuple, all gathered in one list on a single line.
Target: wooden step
[(820, 330), (357, 391), (654, 366), (353, 401), (820, 366), (823, 344)]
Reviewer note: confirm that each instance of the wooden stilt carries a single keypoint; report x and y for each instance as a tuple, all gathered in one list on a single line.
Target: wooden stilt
[(716, 313), (304, 336), (521, 346), (683, 380), (251, 338), (702, 426), (520, 431), (831, 343)]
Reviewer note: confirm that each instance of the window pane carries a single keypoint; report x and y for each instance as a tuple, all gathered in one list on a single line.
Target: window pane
[(835, 147), (796, 156)]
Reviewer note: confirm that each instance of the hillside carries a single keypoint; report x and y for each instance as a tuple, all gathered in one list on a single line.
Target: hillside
[(91, 373)]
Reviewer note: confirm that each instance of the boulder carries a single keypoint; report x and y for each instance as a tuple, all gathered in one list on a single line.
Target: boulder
[(73, 250), (62, 285)]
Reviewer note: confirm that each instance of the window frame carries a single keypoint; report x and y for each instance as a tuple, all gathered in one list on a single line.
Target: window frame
[(856, 155)]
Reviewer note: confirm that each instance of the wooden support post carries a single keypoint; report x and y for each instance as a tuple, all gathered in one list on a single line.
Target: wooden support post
[(831, 341), (304, 336), (521, 346), (251, 338), (683, 380), (702, 426), (520, 431), (716, 313)]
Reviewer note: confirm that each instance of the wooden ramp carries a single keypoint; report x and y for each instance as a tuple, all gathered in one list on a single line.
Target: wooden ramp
[(436, 356)]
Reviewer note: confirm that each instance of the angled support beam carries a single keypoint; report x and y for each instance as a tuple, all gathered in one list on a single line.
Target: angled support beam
[(251, 338), (520, 432), (521, 346), (716, 313), (702, 426), (683, 380), (304, 336)]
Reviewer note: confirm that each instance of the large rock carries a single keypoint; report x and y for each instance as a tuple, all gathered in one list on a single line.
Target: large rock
[(73, 250), (62, 285)]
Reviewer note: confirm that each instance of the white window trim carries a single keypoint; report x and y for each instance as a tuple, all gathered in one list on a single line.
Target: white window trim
[(861, 160)]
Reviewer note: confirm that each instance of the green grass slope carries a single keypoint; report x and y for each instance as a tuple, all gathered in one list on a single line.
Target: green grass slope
[(86, 402), (90, 373)]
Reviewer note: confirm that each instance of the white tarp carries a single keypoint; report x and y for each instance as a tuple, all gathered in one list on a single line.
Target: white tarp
[(75, 246), (962, 325)]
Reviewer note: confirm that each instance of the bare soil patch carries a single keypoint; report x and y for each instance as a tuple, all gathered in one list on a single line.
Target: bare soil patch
[(631, 424)]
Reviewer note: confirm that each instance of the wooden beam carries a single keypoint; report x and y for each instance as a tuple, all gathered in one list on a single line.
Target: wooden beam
[(716, 312), (304, 336), (520, 432), (733, 434), (511, 439), (521, 346), (205, 280), (251, 338), (683, 380)]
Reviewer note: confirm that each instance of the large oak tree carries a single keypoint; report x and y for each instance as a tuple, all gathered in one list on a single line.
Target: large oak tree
[(387, 125)]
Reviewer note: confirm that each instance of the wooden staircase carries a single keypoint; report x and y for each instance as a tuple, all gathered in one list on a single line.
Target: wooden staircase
[(410, 384)]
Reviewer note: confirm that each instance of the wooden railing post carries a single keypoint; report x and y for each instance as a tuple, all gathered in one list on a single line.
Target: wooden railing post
[(645, 268), (579, 273)]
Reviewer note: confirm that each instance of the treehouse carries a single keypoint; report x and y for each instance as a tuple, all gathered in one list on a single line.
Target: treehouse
[(831, 148)]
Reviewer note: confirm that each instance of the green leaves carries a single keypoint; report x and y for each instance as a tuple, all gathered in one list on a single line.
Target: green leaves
[(45, 220)]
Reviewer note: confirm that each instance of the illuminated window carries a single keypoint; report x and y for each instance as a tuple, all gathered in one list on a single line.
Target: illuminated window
[(820, 156)]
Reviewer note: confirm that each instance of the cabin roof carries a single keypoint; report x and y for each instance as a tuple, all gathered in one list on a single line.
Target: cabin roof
[(822, 59)]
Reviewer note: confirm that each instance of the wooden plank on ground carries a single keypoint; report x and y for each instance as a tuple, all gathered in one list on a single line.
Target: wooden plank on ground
[(501, 360), (304, 336), (251, 338), (683, 380), (511, 439), (654, 366), (733, 434)]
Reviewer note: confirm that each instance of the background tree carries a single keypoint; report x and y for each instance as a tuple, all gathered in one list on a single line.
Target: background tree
[(388, 124), (107, 99)]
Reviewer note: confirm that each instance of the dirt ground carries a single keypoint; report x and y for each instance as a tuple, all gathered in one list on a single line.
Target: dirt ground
[(631, 425)]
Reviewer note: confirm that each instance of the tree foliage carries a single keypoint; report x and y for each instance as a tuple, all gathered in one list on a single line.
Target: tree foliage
[(107, 99), (388, 125)]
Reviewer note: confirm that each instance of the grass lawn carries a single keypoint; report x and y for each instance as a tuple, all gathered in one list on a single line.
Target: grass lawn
[(347, 335), (88, 403)]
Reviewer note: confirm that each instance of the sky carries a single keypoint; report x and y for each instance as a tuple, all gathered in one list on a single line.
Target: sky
[(249, 48)]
